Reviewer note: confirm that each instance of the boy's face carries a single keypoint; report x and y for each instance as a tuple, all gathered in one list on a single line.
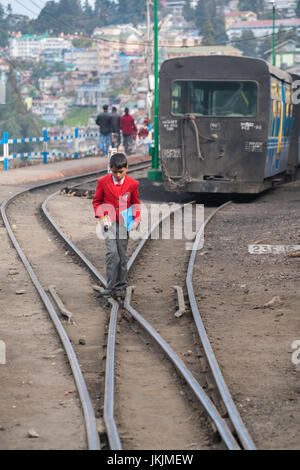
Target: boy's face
[(119, 173)]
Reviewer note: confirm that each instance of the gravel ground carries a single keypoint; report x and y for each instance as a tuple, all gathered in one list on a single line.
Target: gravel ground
[(253, 342)]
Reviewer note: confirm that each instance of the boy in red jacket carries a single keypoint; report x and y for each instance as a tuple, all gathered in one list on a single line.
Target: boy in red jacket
[(115, 193)]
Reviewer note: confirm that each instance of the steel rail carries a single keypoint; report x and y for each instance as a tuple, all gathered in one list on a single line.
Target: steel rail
[(108, 411), (202, 396), (88, 411), (233, 413), (87, 407), (200, 393)]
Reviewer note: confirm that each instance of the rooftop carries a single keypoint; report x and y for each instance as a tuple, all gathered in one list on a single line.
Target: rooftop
[(238, 13), (212, 49), (265, 23)]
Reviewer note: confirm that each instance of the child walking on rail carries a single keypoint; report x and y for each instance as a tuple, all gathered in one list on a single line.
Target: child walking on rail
[(117, 205)]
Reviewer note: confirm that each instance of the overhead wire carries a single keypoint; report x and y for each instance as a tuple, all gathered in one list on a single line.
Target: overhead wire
[(142, 43)]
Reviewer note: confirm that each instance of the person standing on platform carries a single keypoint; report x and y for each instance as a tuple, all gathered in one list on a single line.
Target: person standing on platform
[(144, 136), (115, 121), (128, 129), (104, 122)]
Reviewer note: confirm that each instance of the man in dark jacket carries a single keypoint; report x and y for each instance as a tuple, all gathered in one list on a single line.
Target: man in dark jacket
[(115, 121), (105, 123)]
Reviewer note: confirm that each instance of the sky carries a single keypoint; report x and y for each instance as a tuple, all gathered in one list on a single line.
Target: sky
[(29, 8)]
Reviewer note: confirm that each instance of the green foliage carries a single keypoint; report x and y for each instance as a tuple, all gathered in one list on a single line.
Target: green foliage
[(298, 9), (252, 5), (81, 43), (131, 11), (188, 11), (209, 18), (79, 116), (69, 16), (247, 43), (207, 32), (41, 70), (16, 119), (3, 28)]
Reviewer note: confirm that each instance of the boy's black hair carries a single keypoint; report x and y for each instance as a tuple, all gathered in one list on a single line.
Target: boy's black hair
[(118, 160)]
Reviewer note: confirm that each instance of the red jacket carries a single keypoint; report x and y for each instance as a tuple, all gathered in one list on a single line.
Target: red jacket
[(111, 200), (127, 125)]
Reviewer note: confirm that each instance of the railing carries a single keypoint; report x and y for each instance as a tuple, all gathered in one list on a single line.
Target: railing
[(76, 139)]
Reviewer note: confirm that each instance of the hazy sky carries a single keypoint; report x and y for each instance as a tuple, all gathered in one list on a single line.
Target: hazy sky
[(29, 8)]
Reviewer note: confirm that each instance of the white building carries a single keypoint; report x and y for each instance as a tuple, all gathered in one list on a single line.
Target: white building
[(26, 47), (50, 109), (262, 27), (31, 47), (49, 83), (85, 60)]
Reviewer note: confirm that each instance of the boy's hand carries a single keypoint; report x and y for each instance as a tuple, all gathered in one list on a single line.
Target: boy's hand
[(136, 226)]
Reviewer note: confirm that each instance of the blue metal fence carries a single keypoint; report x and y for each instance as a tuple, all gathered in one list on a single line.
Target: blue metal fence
[(46, 153)]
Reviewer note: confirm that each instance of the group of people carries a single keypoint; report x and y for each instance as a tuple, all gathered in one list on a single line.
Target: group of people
[(112, 124)]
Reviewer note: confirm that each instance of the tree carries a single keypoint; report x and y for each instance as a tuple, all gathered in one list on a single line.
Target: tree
[(87, 10), (252, 5), (47, 19), (247, 43), (63, 16), (220, 30), (9, 9), (16, 119), (3, 28), (298, 9), (131, 11), (207, 32), (202, 13), (209, 16), (104, 11), (188, 12)]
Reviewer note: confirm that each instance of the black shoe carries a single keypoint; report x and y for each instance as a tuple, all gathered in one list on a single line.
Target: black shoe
[(121, 295), (107, 293)]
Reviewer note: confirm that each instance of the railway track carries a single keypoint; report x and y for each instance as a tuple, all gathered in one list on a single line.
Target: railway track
[(222, 428), (232, 431), (24, 223)]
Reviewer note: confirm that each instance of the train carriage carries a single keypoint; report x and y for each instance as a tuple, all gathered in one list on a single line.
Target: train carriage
[(227, 124)]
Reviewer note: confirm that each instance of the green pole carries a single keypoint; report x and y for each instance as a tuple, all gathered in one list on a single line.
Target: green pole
[(274, 17), (155, 174)]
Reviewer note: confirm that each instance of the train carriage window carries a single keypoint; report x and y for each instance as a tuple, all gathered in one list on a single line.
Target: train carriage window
[(177, 102), (279, 105), (274, 116), (279, 90), (288, 94), (290, 121), (274, 88), (228, 99)]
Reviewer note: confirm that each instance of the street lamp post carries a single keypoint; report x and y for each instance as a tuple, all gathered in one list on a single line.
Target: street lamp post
[(155, 173), (274, 19)]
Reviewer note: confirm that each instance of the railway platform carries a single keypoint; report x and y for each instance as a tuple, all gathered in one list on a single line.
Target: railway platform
[(59, 169)]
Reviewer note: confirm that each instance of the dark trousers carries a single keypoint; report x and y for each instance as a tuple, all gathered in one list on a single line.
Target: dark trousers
[(128, 143), (116, 240)]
